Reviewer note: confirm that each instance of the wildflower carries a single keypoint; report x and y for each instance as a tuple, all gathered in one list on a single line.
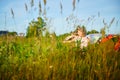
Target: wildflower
[(51, 67)]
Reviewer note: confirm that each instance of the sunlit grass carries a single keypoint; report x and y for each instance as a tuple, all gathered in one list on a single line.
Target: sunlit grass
[(48, 58)]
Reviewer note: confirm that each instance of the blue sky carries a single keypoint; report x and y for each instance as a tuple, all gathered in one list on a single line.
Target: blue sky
[(85, 13)]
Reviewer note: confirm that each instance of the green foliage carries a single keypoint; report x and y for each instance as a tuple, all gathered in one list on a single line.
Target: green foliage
[(35, 28), (47, 58), (92, 32), (12, 33)]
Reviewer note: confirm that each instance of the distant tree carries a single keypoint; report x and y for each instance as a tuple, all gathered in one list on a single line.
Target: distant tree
[(92, 32), (12, 33), (35, 28), (3, 33)]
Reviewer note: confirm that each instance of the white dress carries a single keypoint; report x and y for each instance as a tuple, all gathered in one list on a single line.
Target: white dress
[(83, 40)]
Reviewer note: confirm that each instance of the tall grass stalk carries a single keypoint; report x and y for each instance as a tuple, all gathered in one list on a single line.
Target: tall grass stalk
[(48, 58)]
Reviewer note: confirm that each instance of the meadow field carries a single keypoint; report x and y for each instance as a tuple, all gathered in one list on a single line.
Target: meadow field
[(48, 58)]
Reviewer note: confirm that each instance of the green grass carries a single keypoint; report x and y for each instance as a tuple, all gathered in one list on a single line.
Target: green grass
[(48, 58)]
